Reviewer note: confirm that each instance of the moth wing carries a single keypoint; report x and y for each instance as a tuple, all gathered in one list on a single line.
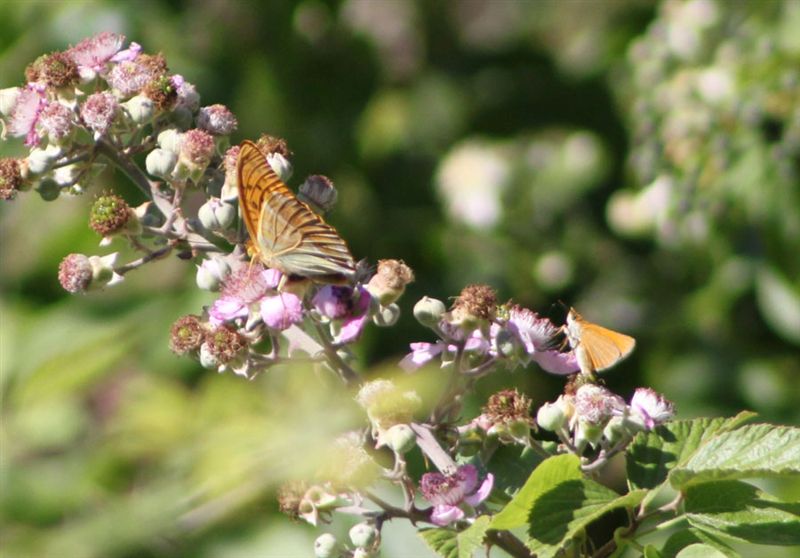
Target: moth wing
[(605, 347)]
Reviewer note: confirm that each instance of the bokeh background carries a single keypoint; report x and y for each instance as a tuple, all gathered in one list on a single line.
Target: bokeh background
[(638, 160)]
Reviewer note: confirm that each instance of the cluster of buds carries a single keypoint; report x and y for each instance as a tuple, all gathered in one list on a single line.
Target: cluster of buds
[(592, 416)]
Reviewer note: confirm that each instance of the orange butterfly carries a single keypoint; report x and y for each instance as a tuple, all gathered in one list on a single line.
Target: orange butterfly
[(596, 347), (285, 233)]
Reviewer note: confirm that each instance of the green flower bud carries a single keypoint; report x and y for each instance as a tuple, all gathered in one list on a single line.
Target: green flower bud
[(160, 162), (429, 311), (616, 430), (281, 165), (363, 535), (170, 140), (48, 189), (140, 109), (552, 416), (386, 316), (216, 215), (211, 273), (401, 438), (326, 546)]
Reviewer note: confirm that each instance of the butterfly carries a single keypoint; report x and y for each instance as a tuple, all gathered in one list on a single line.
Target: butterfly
[(285, 233), (596, 347)]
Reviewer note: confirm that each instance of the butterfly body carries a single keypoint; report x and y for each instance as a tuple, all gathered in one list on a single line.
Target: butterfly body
[(285, 233), (597, 348)]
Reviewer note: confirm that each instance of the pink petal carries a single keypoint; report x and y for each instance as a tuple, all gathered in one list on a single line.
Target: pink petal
[(351, 329), (421, 354), (556, 362), (444, 515), (482, 493), (281, 311), (225, 309)]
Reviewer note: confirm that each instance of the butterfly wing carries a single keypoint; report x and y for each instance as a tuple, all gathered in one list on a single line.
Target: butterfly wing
[(605, 347), (285, 232)]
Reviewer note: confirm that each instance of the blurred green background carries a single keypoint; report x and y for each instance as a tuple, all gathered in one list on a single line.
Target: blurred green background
[(637, 160)]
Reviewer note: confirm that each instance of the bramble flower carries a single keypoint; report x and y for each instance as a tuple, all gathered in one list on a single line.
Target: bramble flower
[(243, 289), (130, 77), (186, 335), (475, 304), (24, 116), (390, 280), (92, 55), (98, 112), (448, 493), (536, 334), (224, 343), (281, 311), (188, 98), (162, 92), (55, 70), (348, 308), (217, 120), (507, 416), (57, 121), (10, 177), (649, 408), (78, 273), (196, 149), (595, 404)]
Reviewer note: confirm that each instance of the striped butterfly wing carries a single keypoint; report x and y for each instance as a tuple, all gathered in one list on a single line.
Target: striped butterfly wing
[(285, 233)]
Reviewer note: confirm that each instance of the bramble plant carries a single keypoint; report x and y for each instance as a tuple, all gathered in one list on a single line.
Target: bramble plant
[(512, 477)]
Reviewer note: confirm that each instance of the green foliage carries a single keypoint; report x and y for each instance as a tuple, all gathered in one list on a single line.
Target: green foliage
[(453, 544)]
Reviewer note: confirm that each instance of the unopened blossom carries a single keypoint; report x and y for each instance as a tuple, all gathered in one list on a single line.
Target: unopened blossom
[(10, 177), (390, 280), (25, 115), (557, 415), (649, 408), (217, 120), (187, 334), (281, 311), (429, 311), (211, 273), (318, 191), (243, 288), (92, 55), (277, 154), (57, 121), (55, 70), (98, 112), (448, 492)]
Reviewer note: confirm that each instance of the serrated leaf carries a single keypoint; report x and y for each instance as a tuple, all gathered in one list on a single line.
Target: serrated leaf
[(741, 510), (652, 455), (549, 473), (759, 450), (561, 513), (680, 540), (442, 541), (511, 468), (698, 550), (453, 544)]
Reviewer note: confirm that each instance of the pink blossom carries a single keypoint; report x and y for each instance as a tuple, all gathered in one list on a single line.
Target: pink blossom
[(650, 408), (282, 311), (350, 305), (557, 362), (98, 111), (130, 53), (56, 120), (91, 55), (448, 492), (421, 354), (243, 288), (25, 115)]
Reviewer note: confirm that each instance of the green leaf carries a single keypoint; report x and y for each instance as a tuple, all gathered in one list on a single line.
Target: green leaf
[(452, 544), (680, 540), (757, 450), (442, 541), (561, 513), (511, 468), (549, 473), (651, 552), (700, 551), (651, 455), (740, 510)]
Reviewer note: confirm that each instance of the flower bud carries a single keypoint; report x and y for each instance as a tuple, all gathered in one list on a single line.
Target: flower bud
[(40, 160), (390, 281), (170, 140), (326, 546), (140, 109), (281, 166), (507, 344), (362, 553), (319, 192), (278, 154), (48, 189), (160, 162), (363, 535), (616, 430), (401, 438), (211, 273), (75, 273), (429, 311), (8, 100), (207, 359), (216, 215), (386, 316), (585, 433), (555, 416)]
